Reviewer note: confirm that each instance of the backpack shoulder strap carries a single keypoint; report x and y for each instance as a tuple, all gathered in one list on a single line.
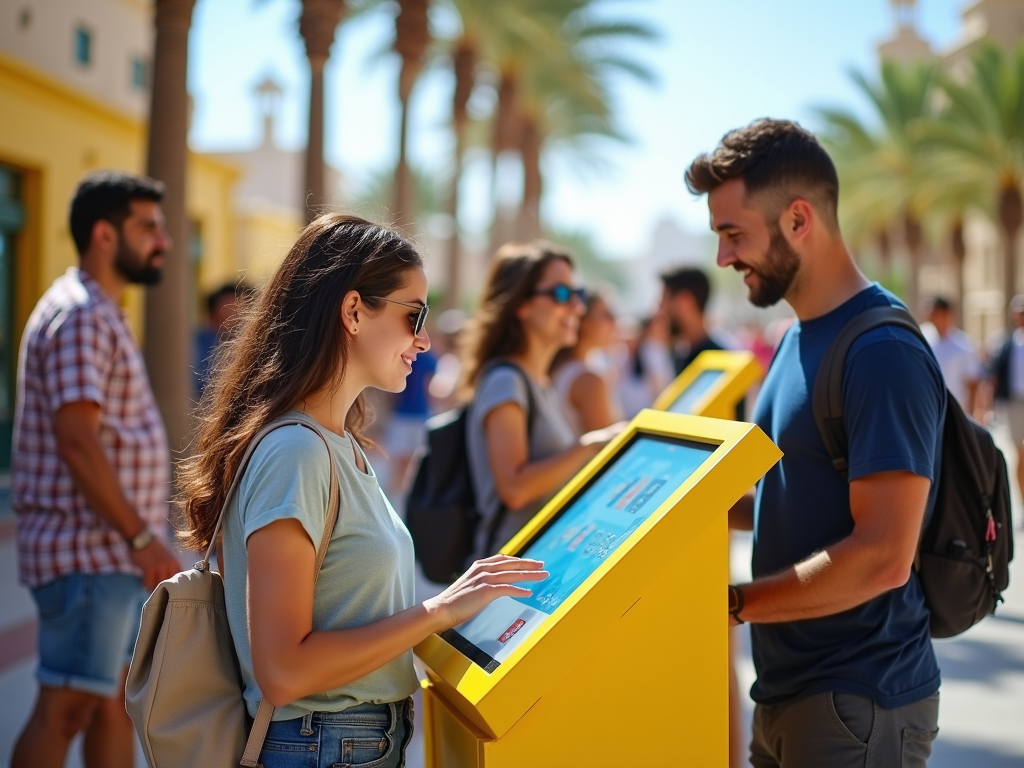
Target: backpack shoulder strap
[(827, 398), (265, 711)]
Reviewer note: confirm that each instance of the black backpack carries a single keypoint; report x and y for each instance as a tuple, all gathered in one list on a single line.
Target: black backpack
[(963, 559), (441, 510)]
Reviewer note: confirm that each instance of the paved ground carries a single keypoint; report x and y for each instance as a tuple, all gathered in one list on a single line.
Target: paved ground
[(982, 710)]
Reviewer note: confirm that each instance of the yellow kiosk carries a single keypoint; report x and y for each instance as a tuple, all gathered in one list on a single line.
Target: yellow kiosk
[(711, 385), (619, 657)]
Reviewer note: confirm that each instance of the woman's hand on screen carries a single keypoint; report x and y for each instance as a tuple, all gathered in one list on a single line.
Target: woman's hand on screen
[(484, 582)]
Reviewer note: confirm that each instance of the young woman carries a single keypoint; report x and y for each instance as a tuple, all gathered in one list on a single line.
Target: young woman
[(582, 373), (344, 312), (521, 448), (648, 368)]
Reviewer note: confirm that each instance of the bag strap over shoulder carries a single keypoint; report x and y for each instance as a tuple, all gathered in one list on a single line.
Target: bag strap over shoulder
[(250, 758), (827, 402)]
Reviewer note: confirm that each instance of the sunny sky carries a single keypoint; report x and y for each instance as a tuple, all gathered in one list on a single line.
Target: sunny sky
[(720, 64)]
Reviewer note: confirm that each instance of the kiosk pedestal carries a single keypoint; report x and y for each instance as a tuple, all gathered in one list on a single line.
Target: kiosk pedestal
[(630, 667)]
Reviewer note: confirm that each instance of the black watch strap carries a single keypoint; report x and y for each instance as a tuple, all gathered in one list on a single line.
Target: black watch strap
[(735, 602)]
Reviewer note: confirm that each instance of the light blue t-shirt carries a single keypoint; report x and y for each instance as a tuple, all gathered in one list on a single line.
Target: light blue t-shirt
[(367, 574)]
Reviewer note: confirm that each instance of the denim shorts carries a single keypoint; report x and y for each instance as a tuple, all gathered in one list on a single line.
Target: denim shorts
[(363, 736), (88, 624)]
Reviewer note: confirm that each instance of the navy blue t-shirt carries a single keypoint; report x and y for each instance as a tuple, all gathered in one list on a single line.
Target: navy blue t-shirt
[(894, 403)]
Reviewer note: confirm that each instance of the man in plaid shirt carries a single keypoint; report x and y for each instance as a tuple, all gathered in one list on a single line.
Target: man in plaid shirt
[(91, 475)]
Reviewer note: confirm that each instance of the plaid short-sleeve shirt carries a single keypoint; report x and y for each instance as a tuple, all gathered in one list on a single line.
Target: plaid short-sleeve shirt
[(77, 348)]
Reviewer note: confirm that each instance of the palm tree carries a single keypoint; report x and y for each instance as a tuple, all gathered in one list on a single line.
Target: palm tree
[(317, 25), (464, 61), (981, 136), (412, 38), (881, 170), (167, 322), (568, 104), (488, 32)]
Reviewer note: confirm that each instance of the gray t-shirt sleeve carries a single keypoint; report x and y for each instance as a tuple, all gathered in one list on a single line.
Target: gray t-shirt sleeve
[(500, 386), (289, 477)]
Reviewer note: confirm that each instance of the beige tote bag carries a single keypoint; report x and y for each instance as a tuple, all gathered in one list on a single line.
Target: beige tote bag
[(184, 688)]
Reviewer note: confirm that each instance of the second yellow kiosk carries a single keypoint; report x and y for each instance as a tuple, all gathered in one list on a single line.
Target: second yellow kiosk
[(619, 657), (711, 385)]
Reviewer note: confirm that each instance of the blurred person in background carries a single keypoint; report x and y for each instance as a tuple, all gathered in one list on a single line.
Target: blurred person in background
[(531, 308), (648, 366), (221, 308), (406, 429), (1006, 382), (955, 351), (582, 373), (684, 298), (91, 476), (444, 383)]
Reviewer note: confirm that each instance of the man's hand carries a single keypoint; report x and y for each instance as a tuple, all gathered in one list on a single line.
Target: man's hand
[(156, 563), (77, 427)]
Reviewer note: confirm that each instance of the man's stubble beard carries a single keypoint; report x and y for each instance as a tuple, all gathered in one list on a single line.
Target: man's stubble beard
[(127, 263), (775, 277)]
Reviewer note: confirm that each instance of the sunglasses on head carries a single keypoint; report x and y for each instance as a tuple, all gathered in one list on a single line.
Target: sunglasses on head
[(562, 293), (421, 316)]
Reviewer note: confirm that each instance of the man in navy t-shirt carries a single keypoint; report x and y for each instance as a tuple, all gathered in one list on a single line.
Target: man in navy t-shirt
[(846, 674)]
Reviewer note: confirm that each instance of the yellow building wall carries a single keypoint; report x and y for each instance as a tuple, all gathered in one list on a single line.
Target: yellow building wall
[(210, 187), (264, 239), (54, 135)]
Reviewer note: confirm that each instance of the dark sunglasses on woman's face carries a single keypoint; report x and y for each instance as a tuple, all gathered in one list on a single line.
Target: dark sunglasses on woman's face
[(418, 321), (562, 293)]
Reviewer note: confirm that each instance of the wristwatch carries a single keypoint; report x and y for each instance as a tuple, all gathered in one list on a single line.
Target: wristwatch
[(735, 602), (141, 540)]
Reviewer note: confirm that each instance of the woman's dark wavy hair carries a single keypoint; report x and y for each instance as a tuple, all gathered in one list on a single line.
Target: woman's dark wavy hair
[(495, 331), (290, 342)]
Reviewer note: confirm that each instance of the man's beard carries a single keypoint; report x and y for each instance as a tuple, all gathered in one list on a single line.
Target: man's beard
[(781, 263), (133, 267)]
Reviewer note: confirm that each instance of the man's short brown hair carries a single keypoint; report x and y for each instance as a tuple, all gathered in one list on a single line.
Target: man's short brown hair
[(778, 160)]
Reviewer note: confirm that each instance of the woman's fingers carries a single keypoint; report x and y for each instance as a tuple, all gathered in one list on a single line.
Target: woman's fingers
[(511, 577), (507, 563)]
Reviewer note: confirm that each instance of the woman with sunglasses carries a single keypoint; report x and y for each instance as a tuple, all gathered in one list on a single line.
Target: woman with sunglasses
[(344, 312), (521, 449)]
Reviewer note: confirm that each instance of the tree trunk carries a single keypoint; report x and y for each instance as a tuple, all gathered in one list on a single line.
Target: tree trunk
[(317, 24), (464, 68), (506, 127), (313, 187), (884, 253), (959, 250), (529, 210), (412, 36), (1011, 214), (914, 240), (167, 318)]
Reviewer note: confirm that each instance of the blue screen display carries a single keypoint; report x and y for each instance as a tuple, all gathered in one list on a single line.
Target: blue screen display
[(592, 526), (692, 394)]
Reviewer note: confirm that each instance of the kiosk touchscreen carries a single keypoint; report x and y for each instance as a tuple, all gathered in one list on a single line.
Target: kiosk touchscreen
[(633, 613), (604, 514), (711, 385)]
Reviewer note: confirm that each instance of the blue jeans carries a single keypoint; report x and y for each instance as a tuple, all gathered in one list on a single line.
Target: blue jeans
[(363, 736), (88, 623)]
